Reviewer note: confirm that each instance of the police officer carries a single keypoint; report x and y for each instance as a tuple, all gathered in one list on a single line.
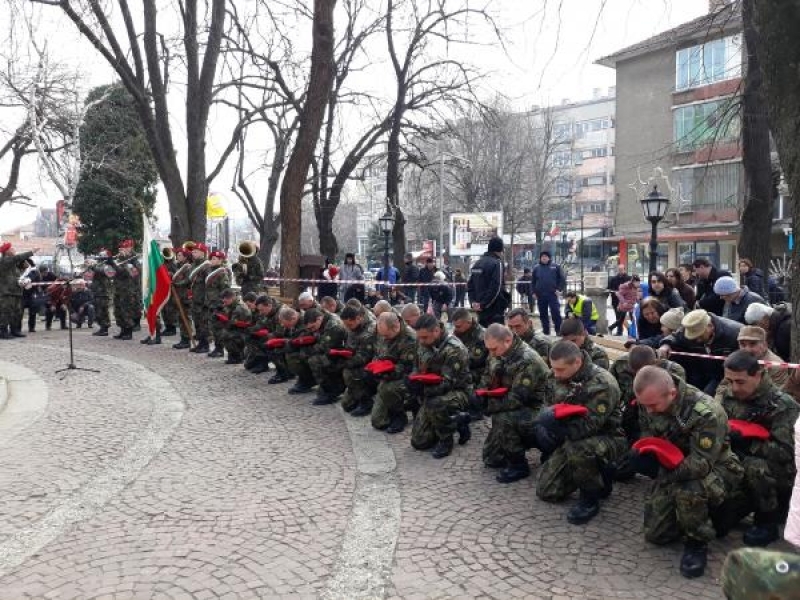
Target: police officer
[(486, 286)]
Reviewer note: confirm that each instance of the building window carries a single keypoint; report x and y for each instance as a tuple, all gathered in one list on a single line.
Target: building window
[(587, 208), (593, 153), (563, 187), (562, 158), (562, 131), (699, 125), (593, 180), (710, 187), (707, 63), (584, 127)]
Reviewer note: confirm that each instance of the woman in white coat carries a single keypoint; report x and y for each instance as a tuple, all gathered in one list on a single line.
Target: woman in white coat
[(792, 531)]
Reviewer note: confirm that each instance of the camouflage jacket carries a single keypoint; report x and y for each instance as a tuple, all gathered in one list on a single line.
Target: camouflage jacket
[(697, 425), (289, 333), (128, 278), (594, 388), (777, 412), (237, 311), (217, 281), (268, 322), (102, 285), (478, 354), (402, 350), (10, 273), (597, 353), (624, 375), (362, 342), (181, 282), (523, 372), (332, 334), (197, 278), (539, 343), (251, 277), (448, 358)]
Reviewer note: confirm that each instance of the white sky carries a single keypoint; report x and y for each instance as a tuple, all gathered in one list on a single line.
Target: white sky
[(551, 45)]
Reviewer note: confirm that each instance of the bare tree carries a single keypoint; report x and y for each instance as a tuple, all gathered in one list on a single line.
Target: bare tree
[(143, 59), (320, 80), (427, 81)]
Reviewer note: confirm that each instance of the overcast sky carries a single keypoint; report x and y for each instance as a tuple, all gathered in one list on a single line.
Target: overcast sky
[(551, 46)]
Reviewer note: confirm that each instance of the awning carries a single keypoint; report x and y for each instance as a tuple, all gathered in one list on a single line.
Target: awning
[(671, 236), (529, 237)]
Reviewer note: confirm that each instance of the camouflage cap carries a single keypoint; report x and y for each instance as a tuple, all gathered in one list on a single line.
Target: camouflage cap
[(755, 574)]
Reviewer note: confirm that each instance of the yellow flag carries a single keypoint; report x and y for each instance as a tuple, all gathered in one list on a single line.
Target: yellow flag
[(214, 208)]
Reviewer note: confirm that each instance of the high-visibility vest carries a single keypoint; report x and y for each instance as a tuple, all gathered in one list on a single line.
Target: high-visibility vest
[(577, 308)]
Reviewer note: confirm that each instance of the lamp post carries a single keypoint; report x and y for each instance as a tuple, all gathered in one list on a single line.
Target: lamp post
[(387, 225), (654, 207), (581, 250)]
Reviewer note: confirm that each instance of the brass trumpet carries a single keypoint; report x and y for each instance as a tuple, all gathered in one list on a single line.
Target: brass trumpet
[(168, 253), (190, 245), (247, 249)]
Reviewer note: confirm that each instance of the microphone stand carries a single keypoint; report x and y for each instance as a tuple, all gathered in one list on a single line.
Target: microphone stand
[(71, 366)]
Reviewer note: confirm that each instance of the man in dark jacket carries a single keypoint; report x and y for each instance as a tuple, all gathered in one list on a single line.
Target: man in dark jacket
[(548, 280), (410, 275), (486, 287), (703, 333), (426, 276), (524, 288), (707, 275)]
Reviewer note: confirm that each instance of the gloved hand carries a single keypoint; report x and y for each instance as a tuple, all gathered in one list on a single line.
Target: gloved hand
[(415, 388), (645, 464), (549, 432), (739, 443)]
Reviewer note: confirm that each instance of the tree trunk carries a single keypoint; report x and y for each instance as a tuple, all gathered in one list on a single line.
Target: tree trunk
[(393, 183), (776, 23), (319, 86), (756, 218)]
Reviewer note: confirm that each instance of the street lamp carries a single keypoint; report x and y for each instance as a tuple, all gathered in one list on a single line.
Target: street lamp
[(654, 207), (387, 225)]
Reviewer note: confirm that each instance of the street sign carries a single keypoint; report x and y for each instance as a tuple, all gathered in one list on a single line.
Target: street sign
[(470, 232)]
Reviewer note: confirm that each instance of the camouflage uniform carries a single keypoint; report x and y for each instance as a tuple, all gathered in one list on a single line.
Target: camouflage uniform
[(233, 334), (218, 279), (250, 278), (181, 286), (360, 387), (101, 288), (478, 354), (540, 343), (450, 359), (326, 369), (597, 353), (527, 378), (622, 372), (592, 442), (169, 313), (393, 396), (678, 502), (290, 360), (197, 277), (10, 291), (127, 293), (769, 467), (755, 574), (254, 346)]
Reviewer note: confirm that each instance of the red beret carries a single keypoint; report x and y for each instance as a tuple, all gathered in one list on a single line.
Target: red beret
[(5, 247), (201, 247), (217, 254), (126, 244)]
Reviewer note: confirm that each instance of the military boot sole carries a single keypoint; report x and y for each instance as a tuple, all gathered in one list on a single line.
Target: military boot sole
[(582, 513), (509, 475)]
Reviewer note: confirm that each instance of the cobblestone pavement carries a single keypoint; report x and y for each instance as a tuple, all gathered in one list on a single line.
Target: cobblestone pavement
[(169, 475)]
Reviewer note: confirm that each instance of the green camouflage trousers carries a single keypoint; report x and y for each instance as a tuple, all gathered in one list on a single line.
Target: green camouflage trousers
[(390, 401), (578, 465), (360, 388), (762, 485), (10, 311), (298, 365), (200, 320), (512, 433), (327, 372), (127, 310), (680, 510), (433, 423), (170, 313), (101, 311), (232, 341), (215, 328)]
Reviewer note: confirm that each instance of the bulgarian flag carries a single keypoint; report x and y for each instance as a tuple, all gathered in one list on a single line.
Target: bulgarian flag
[(156, 279)]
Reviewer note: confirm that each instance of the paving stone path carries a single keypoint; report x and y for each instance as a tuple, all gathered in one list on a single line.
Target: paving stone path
[(171, 475)]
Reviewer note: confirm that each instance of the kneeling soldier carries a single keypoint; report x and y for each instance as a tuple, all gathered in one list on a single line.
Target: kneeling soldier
[(442, 382), (515, 385), (761, 419), (581, 428), (396, 351), (234, 320), (360, 350), (572, 330), (265, 324), (326, 367), (467, 329), (684, 448), (285, 356)]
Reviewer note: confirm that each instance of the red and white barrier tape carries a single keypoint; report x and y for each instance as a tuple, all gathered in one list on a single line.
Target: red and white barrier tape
[(766, 363)]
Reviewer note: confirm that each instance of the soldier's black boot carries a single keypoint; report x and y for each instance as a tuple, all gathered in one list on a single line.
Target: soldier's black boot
[(250, 362), (585, 509), (325, 395), (261, 365), (398, 423), (301, 387), (279, 377), (157, 339), (16, 333), (516, 468), (764, 530), (363, 409), (169, 331), (145, 340), (202, 346), (443, 447), (462, 421), (120, 334), (693, 561), (607, 473), (126, 334), (102, 332), (217, 352), (234, 359), (182, 344), (4, 333)]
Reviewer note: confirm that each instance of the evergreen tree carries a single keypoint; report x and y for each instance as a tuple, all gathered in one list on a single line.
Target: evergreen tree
[(118, 179)]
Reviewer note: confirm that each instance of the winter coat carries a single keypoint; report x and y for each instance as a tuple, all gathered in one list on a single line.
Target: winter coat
[(754, 280), (735, 310), (548, 279), (706, 298), (687, 295), (779, 335), (669, 299), (792, 531), (350, 272), (627, 296)]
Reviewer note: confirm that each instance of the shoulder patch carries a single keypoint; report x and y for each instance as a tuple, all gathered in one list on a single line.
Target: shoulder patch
[(602, 408), (526, 381), (701, 408), (705, 442)]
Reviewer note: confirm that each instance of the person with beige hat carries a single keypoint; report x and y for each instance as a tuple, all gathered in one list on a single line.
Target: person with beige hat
[(703, 333), (753, 340)]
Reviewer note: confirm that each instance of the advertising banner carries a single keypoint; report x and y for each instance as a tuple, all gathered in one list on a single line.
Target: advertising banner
[(470, 232)]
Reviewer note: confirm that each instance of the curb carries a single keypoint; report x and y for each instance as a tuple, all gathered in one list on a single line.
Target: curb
[(3, 394)]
